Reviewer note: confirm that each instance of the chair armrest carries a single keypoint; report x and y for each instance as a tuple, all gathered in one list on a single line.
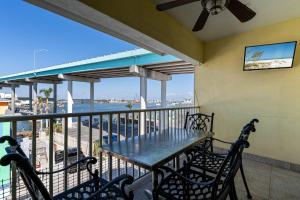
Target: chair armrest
[(90, 161), (222, 141), (6, 159), (11, 141)]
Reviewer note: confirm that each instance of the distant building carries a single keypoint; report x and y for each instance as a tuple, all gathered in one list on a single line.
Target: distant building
[(7, 96), (4, 105)]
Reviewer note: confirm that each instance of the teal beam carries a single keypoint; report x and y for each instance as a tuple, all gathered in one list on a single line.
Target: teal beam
[(143, 59)]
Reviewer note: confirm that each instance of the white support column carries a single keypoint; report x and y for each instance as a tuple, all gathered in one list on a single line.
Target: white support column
[(163, 96), (30, 97), (13, 99), (70, 101), (35, 108), (54, 98), (143, 101), (92, 96), (163, 103)]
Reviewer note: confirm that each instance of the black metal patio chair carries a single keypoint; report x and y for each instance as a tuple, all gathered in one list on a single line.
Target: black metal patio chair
[(203, 123), (188, 183), (95, 188), (209, 161)]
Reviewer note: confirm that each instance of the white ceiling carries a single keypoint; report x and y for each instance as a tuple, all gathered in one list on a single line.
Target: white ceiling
[(225, 24)]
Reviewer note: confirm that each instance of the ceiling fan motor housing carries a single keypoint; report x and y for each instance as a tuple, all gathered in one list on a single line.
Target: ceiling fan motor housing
[(214, 7)]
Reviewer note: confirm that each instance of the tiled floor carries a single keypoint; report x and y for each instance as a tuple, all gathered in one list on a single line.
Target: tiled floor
[(265, 182)]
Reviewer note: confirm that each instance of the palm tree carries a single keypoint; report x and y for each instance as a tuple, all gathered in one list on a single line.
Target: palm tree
[(257, 55), (47, 94), (40, 104), (129, 105)]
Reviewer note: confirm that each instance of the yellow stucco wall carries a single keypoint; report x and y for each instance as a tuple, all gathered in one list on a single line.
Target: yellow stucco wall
[(272, 96), (142, 16)]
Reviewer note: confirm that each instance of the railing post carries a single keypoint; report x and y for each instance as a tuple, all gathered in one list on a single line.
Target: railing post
[(145, 123), (126, 137), (155, 113), (168, 120), (13, 167), (132, 126), (66, 152), (100, 144), (177, 119), (150, 119), (51, 133), (132, 137), (139, 134), (33, 150), (78, 148), (110, 142), (139, 124), (91, 136), (119, 138)]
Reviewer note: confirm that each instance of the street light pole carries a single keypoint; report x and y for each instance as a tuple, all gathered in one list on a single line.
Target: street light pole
[(35, 52)]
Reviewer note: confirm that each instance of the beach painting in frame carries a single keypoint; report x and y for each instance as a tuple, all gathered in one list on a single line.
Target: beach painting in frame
[(271, 56)]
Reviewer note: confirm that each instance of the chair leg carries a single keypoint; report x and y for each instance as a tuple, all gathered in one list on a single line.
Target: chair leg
[(231, 196), (249, 196), (234, 191)]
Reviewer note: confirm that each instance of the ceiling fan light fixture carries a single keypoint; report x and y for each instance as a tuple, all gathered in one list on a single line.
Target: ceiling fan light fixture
[(214, 7)]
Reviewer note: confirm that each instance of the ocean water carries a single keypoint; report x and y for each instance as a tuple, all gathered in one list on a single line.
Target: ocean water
[(85, 107), (98, 107)]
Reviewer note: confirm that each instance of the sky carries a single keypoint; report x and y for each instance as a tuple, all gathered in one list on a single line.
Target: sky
[(274, 51), (26, 28)]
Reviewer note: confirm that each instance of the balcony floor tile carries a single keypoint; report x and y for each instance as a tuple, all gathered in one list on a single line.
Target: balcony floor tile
[(265, 181)]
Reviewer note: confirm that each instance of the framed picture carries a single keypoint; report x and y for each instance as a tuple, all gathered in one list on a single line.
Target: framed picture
[(269, 56)]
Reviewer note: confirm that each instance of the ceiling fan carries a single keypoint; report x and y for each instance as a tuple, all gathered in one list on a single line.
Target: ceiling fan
[(213, 7)]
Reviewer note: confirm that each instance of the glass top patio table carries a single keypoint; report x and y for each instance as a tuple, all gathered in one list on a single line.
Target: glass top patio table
[(155, 149)]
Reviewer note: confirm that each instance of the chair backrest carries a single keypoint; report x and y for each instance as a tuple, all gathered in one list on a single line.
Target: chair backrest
[(199, 121), (15, 155), (233, 160)]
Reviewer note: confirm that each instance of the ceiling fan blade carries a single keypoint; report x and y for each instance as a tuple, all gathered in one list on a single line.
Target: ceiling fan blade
[(240, 10), (173, 4), (201, 20)]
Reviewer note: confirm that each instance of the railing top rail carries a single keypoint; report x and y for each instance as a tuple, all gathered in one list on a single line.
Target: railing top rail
[(83, 114)]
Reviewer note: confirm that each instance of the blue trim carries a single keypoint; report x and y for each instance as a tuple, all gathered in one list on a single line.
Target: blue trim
[(144, 59)]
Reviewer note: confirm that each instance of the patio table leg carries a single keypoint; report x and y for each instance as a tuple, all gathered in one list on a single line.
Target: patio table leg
[(154, 184)]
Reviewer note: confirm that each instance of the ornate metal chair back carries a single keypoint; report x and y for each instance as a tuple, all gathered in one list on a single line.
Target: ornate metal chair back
[(16, 156), (199, 121)]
